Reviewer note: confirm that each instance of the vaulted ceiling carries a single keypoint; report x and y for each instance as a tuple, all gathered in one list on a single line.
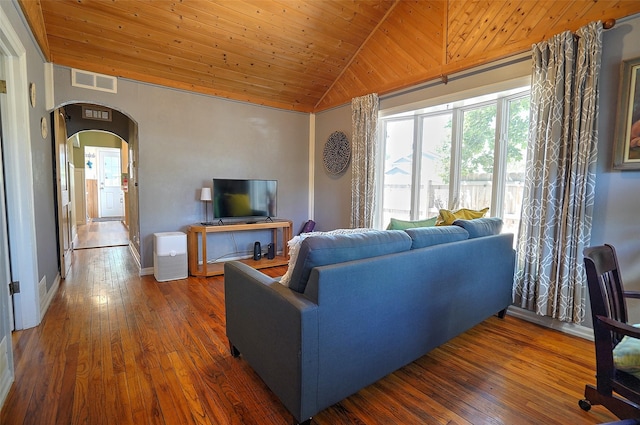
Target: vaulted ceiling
[(302, 55)]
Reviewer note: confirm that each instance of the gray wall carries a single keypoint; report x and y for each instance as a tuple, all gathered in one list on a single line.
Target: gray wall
[(186, 139), (617, 203), (332, 194), (41, 153)]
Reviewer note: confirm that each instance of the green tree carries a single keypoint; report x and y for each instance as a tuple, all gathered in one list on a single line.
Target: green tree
[(478, 139), (518, 133)]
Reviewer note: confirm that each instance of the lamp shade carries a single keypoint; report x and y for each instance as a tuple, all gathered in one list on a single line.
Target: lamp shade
[(205, 194)]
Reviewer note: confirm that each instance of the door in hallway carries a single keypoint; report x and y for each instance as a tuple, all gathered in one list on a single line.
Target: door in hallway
[(63, 194), (111, 196), (6, 299)]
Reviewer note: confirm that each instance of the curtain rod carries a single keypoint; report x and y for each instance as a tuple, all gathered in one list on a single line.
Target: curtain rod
[(445, 79)]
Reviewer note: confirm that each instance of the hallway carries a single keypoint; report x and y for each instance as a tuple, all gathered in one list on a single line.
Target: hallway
[(101, 234)]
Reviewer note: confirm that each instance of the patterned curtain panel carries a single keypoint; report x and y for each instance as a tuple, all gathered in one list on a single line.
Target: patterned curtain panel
[(560, 175), (364, 117)]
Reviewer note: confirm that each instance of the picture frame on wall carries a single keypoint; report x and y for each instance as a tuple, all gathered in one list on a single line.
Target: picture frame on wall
[(627, 139)]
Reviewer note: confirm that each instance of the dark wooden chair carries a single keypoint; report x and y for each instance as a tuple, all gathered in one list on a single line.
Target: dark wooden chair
[(616, 390)]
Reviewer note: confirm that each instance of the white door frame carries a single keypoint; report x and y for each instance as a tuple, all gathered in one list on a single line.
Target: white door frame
[(6, 304), (19, 176), (19, 195)]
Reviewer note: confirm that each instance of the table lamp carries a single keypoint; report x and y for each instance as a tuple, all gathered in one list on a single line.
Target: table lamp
[(205, 196)]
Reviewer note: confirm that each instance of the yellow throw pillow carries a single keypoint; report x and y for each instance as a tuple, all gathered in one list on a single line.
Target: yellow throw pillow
[(239, 205), (446, 217)]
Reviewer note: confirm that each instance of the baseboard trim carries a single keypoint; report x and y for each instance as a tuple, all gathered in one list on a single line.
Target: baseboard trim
[(146, 271), (7, 377), (548, 322), (44, 306), (136, 257)]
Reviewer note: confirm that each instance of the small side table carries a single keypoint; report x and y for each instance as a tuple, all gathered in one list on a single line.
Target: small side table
[(197, 234)]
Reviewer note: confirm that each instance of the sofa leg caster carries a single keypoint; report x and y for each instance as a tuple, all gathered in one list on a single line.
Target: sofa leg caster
[(234, 351), (307, 422)]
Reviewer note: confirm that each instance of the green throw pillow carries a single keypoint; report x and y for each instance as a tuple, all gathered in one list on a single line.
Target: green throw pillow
[(396, 224), (626, 355)]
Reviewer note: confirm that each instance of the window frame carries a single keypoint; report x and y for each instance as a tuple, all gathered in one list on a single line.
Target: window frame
[(418, 113)]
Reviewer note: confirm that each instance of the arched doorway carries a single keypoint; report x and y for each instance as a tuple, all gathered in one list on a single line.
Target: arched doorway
[(101, 190), (94, 134)]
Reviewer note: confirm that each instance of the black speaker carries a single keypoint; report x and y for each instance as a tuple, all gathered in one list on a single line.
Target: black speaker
[(271, 251), (257, 251)]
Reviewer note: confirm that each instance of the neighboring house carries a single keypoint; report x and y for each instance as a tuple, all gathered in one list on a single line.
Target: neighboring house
[(186, 139)]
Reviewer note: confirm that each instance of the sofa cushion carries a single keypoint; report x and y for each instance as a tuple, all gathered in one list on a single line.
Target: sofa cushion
[(322, 250), (296, 241), (428, 236), (446, 217), (479, 227), (626, 355), (395, 224)]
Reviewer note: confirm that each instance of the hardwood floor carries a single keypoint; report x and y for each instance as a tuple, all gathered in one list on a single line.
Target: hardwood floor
[(116, 348), (100, 234)]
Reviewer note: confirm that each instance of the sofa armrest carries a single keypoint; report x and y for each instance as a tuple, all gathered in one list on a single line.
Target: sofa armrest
[(275, 330)]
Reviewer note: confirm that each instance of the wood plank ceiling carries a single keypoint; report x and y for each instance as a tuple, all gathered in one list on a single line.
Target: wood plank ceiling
[(301, 55)]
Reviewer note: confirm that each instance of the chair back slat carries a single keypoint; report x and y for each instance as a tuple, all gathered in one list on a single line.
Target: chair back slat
[(605, 286), (607, 298)]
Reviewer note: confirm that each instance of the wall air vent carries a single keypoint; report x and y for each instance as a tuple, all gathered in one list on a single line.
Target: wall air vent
[(90, 112), (94, 81)]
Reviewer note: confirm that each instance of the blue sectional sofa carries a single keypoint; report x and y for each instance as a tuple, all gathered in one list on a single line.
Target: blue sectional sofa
[(359, 306)]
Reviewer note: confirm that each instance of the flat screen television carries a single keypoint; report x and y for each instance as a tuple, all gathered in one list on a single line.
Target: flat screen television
[(236, 198)]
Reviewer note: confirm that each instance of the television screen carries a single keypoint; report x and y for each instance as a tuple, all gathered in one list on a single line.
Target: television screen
[(244, 198)]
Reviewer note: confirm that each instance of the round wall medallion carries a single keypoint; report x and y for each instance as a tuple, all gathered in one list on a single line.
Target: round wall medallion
[(337, 152), (32, 94), (44, 127)]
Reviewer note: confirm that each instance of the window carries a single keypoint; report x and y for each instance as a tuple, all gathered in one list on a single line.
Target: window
[(468, 154)]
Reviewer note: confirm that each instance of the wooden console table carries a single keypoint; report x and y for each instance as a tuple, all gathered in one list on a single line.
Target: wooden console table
[(198, 265)]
